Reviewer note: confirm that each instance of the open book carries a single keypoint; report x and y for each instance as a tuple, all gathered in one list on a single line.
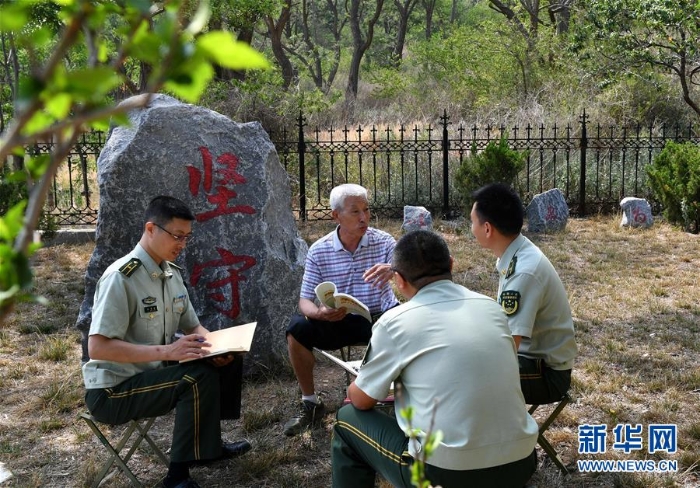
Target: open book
[(232, 339), (329, 295), (353, 367)]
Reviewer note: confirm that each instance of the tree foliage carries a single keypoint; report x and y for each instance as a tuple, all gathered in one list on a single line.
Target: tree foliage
[(57, 100), (492, 59), (661, 34), (674, 178)]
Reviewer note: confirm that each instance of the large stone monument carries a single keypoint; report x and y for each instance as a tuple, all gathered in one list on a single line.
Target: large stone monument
[(246, 260), (636, 212), (416, 218), (547, 212)]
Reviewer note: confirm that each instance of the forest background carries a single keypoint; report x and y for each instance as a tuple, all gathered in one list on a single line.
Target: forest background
[(510, 62), (386, 62), (500, 62)]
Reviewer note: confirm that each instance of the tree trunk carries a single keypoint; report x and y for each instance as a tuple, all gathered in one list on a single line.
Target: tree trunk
[(405, 8), (144, 74), (683, 77), (360, 46), (276, 30), (429, 6), (560, 15), (512, 17)]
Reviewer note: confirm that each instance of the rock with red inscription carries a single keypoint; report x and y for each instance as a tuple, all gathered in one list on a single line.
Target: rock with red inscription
[(636, 212), (245, 260), (416, 218), (547, 212)]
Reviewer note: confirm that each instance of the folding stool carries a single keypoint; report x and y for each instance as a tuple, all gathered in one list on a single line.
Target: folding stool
[(387, 404), (542, 441), (345, 353), (140, 428)]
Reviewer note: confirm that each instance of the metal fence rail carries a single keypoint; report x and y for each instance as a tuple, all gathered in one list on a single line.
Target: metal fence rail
[(594, 166), (73, 199)]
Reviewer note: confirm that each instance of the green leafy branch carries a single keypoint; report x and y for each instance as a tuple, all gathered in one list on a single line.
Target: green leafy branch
[(56, 102), (429, 441)]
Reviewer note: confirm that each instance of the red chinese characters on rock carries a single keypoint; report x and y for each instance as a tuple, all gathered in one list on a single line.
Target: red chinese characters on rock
[(419, 221), (235, 265), (217, 181), (551, 213)]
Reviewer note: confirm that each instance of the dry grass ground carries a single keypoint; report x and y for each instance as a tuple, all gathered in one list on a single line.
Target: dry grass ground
[(636, 304)]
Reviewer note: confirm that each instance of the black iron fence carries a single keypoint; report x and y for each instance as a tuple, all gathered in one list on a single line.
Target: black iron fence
[(594, 166), (74, 198)]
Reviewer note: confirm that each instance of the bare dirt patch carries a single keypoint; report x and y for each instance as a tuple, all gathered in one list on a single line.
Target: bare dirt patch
[(636, 303)]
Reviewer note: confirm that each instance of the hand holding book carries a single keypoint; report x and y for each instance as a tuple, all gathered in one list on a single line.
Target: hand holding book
[(328, 295), (236, 339)]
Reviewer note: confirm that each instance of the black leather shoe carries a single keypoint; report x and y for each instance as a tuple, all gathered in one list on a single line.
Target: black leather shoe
[(234, 449), (229, 450)]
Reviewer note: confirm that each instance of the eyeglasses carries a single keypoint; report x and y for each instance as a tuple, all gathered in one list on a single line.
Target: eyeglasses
[(187, 238)]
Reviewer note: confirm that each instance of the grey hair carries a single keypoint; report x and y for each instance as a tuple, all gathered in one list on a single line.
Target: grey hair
[(341, 192)]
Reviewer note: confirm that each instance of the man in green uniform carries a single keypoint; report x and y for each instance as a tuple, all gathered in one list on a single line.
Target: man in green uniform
[(140, 303), (530, 293), (450, 354)]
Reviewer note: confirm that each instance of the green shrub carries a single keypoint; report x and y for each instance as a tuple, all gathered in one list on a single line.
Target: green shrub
[(13, 191), (674, 177), (496, 163)]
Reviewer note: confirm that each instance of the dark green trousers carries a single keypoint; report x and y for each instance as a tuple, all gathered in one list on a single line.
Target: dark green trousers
[(540, 383), (366, 442), (196, 390)]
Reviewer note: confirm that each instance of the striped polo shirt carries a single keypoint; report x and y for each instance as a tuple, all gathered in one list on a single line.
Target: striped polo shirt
[(328, 260)]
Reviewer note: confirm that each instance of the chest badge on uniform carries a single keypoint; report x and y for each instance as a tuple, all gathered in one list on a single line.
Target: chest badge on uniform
[(510, 301), (149, 300), (511, 267)]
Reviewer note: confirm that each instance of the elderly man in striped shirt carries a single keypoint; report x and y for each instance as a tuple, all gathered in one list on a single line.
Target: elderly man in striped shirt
[(355, 257)]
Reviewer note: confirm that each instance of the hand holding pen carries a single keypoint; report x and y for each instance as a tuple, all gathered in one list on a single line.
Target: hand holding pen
[(188, 346)]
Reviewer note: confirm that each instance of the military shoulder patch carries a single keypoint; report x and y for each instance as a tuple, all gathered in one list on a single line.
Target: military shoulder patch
[(129, 268), (511, 267), (510, 301)]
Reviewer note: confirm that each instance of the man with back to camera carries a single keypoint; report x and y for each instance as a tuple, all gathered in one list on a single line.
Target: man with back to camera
[(531, 294), (140, 303), (355, 257), (450, 354)]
